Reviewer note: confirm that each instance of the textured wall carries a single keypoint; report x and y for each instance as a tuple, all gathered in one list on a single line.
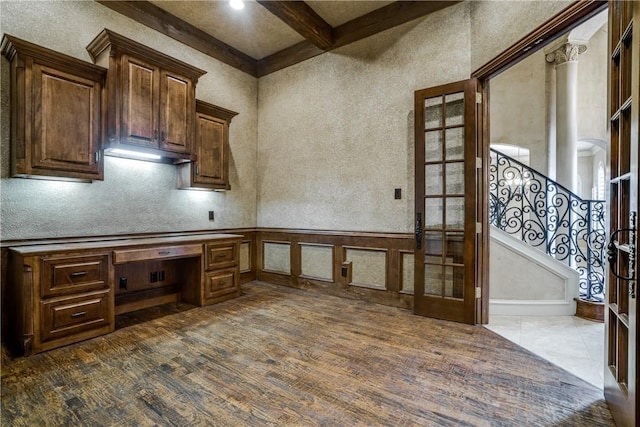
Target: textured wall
[(518, 103), (496, 25), (517, 108), (135, 196), (336, 132), (592, 89)]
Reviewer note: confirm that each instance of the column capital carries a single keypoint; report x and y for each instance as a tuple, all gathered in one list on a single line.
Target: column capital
[(565, 53)]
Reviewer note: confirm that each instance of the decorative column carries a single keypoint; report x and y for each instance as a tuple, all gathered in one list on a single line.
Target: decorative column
[(566, 59)]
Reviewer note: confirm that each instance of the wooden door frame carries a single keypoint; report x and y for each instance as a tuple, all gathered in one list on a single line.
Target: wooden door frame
[(567, 19)]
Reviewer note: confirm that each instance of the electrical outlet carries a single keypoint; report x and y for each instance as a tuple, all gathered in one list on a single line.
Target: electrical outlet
[(153, 277), (161, 276), (397, 194), (123, 282), (211, 216)]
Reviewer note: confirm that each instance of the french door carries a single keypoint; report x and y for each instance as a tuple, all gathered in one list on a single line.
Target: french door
[(446, 188), (621, 315)]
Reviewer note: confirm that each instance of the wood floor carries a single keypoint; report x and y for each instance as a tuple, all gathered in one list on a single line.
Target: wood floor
[(281, 356)]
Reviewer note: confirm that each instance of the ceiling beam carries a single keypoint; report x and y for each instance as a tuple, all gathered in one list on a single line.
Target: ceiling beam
[(382, 19), (170, 25), (303, 19), (386, 17)]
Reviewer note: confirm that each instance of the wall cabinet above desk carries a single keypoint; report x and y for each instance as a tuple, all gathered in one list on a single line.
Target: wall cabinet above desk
[(56, 113), (211, 169), (150, 98)]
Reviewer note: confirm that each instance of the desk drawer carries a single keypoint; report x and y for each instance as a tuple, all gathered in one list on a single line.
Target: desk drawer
[(68, 316), (220, 256), (164, 252), (220, 283), (72, 275)]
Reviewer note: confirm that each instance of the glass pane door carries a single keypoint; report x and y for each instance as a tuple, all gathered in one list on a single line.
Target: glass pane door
[(445, 201)]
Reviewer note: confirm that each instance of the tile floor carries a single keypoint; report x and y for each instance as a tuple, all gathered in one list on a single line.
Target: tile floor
[(574, 344)]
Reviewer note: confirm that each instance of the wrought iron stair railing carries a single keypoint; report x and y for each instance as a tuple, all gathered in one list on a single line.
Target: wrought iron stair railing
[(542, 213)]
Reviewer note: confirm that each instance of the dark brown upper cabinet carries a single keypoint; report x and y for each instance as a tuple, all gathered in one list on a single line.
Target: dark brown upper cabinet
[(56, 113), (211, 169), (150, 99)]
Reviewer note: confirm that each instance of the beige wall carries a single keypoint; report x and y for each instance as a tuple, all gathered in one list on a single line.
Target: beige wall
[(517, 108), (592, 89), (333, 137), (518, 104), (336, 132), (497, 24), (135, 196)]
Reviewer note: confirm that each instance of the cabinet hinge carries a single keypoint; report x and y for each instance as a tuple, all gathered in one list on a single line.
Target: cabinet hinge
[(97, 156), (478, 98), (197, 170), (478, 227), (478, 292)]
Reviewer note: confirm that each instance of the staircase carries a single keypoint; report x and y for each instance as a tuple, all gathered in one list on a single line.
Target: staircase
[(547, 216)]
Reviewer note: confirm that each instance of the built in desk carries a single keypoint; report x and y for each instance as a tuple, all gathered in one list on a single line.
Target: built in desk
[(63, 293)]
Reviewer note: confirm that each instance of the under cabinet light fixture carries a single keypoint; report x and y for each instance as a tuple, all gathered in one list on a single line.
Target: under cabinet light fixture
[(137, 154), (236, 4)]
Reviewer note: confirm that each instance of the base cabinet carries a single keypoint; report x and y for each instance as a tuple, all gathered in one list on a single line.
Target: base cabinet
[(69, 316), (64, 293), (220, 285), (58, 298)]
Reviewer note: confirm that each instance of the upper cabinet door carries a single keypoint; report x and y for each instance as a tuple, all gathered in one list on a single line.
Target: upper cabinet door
[(210, 170), (140, 100), (65, 121), (211, 134), (177, 108), (56, 113)]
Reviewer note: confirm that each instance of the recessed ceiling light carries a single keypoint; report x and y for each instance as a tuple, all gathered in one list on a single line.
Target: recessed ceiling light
[(237, 4)]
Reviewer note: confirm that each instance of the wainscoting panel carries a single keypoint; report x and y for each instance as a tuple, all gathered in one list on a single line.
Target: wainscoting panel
[(407, 272), (245, 256), (357, 265), (316, 261), (369, 267), (276, 257)]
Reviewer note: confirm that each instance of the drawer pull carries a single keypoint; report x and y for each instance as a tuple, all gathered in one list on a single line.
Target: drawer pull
[(219, 256), (164, 252), (78, 314), (78, 274), (222, 282)]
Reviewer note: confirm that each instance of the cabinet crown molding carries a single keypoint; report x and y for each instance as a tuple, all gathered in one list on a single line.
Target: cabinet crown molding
[(214, 110), (107, 38), (13, 46)]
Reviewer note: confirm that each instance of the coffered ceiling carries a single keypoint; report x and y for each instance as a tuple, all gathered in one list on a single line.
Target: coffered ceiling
[(266, 36)]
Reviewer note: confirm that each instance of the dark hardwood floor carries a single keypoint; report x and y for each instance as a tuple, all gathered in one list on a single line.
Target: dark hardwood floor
[(282, 356)]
